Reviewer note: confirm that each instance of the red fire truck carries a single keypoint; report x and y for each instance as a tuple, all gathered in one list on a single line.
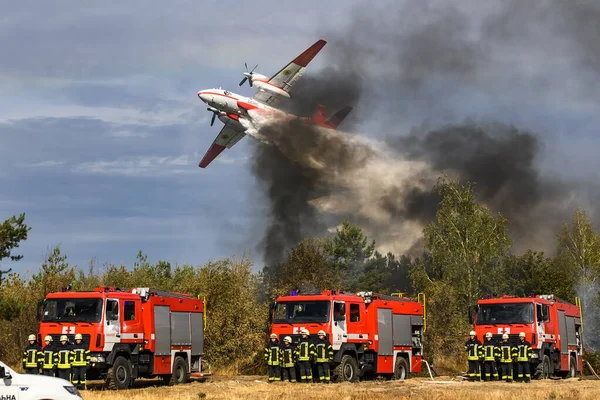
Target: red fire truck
[(370, 333), (131, 333), (552, 326)]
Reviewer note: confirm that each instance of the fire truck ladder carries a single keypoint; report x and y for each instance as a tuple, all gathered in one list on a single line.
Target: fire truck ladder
[(578, 304), (155, 292)]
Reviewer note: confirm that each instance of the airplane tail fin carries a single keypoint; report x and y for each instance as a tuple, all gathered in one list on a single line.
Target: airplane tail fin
[(320, 117), (338, 117)]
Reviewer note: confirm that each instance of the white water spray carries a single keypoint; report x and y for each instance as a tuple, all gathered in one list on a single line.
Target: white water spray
[(362, 171)]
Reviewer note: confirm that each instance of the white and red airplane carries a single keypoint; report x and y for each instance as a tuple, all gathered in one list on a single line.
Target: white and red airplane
[(235, 111)]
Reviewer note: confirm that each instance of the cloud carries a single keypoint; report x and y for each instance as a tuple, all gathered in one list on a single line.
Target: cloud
[(47, 164), (141, 166)]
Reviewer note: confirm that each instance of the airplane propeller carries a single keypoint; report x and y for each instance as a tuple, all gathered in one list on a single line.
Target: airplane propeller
[(248, 75), (215, 112)]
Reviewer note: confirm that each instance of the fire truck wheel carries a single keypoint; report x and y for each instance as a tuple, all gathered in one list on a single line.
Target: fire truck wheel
[(543, 369), (119, 375), (347, 370), (401, 369), (180, 372)]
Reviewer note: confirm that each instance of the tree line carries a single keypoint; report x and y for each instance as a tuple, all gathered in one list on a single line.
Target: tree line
[(466, 256)]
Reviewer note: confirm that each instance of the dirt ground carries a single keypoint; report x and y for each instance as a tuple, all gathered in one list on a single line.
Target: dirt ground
[(256, 387)]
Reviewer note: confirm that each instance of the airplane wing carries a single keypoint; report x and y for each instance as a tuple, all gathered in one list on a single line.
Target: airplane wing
[(288, 75), (230, 134)]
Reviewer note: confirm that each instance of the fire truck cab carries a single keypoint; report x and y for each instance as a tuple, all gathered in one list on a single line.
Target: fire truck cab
[(552, 326), (131, 333), (370, 333)]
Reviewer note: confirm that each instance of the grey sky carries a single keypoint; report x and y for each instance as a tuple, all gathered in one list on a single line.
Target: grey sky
[(101, 130)]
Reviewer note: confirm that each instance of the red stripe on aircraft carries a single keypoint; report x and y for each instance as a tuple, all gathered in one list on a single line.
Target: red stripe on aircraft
[(211, 154), (306, 57)]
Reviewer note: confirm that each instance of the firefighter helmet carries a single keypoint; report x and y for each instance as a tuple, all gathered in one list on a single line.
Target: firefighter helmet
[(321, 332), (488, 335), (304, 332), (48, 338), (31, 337), (273, 336), (287, 339), (79, 336), (64, 338), (522, 334), (505, 336), (472, 333)]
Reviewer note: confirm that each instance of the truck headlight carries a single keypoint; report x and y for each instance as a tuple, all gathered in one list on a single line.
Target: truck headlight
[(97, 359), (535, 355), (72, 390)]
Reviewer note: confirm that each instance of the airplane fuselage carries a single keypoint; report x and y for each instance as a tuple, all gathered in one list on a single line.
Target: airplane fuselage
[(232, 107)]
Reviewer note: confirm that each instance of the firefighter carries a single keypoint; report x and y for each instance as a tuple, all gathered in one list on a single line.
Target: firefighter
[(474, 353), (306, 356), (272, 357), (489, 358), (323, 356), (63, 359), (32, 356), (288, 360), (524, 352), (48, 357), (80, 359), (507, 355)]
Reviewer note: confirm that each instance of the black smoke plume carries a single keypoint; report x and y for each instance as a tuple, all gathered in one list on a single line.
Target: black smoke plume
[(415, 62)]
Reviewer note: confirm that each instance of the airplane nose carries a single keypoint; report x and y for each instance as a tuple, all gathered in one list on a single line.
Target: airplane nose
[(203, 96)]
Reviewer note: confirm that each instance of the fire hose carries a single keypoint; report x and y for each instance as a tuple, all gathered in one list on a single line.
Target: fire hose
[(592, 369)]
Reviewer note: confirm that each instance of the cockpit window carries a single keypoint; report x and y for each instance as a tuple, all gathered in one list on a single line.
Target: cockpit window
[(227, 92)]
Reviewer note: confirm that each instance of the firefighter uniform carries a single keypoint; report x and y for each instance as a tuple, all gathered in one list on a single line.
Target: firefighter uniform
[(63, 359), (524, 352), (323, 356), (306, 355), (272, 358), (80, 359), (490, 352), (474, 353), (32, 357), (48, 357), (288, 360), (507, 355)]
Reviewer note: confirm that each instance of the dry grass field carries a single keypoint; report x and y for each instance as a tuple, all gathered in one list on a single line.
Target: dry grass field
[(248, 387)]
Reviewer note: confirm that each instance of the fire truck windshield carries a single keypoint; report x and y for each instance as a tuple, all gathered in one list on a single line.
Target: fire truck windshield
[(72, 310), (507, 313), (290, 312)]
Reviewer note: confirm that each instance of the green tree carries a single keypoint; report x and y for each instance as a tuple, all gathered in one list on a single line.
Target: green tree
[(12, 232), (533, 272), (465, 242), (55, 273), (579, 244), (157, 275), (349, 251)]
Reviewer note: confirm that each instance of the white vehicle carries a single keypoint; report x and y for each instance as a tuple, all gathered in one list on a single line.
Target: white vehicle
[(15, 386)]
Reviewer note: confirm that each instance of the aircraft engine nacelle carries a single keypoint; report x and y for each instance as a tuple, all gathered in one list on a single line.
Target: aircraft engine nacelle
[(225, 118), (267, 87), (256, 77)]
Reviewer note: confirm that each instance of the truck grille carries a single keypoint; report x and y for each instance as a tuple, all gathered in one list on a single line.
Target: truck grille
[(56, 339)]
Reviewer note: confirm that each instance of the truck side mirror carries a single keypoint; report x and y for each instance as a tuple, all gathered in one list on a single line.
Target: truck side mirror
[(4, 373), (40, 309), (271, 311)]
